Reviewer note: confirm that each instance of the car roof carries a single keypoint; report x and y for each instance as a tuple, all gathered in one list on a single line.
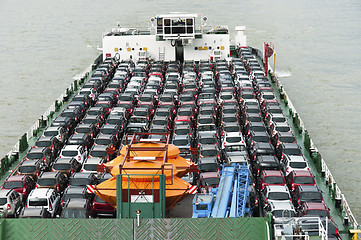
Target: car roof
[(16, 178), (277, 188), (93, 160), (302, 173), (76, 203), (5, 192), (39, 192), (64, 160), (48, 174), (234, 134), (71, 147)]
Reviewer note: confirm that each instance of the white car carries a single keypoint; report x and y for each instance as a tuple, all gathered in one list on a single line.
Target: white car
[(293, 162), (10, 202), (233, 144), (44, 197), (79, 152)]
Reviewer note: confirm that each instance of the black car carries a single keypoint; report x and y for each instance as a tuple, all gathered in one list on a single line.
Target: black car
[(99, 151), (255, 137), (305, 193), (38, 212), (261, 148), (52, 142), (81, 138), (108, 140), (73, 192), (289, 149), (68, 123), (73, 113), (87, 128), (98, 120), (113, 129), (265, 162), (208, 164), (82, 179), (76, 208)]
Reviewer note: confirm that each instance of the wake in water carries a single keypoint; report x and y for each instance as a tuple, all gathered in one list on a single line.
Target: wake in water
[(283, 74)]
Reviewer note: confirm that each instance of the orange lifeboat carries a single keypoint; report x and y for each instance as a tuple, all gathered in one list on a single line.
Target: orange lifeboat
[(139, 163)]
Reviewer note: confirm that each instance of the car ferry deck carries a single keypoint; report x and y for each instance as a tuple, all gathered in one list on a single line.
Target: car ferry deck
[(206, 76)]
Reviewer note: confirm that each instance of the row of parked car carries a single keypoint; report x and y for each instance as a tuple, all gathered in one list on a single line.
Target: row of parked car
[(226, 110), (283, 184)]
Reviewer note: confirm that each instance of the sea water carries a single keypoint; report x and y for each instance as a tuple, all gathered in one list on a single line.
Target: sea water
[(43, 44)]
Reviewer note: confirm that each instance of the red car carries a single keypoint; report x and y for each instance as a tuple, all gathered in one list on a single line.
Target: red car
[(271, 177), (315, 209), (20, 183), (300, 177), (107, 105), (101, 207)]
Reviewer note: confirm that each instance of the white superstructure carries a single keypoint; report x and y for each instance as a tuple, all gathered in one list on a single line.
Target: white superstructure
[(175, 36)]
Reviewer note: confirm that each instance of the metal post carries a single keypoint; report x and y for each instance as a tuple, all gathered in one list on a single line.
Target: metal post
[(274, 62)]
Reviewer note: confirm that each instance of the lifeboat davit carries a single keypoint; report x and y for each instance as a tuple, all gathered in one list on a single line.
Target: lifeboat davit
[(147, 160)]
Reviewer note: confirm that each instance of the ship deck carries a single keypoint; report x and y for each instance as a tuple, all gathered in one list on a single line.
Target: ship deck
[(184, 208)]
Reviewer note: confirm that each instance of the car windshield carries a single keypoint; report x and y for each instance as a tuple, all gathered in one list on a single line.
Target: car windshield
[(298, 165), (62, 166), (79, 181), (185, 113), (13, 184), (208, 167), (311, 196), (3, 201), (50, 133), (180, 142), (317, 212), (274, 180), (209, 152), (160, 122), (27, 169), (261, 139), (141, 113), (69, 153), (205, 128), (278, 119), (43, 144), (208, 140), (283, 213), (233, 139), (68, 196), (205, 121), (83, 130), (287, 139), (182, 131), (99, 153), (90, 167), (258, 128), (47, 181), (283, 129), (278, 196), (265, 151), (38, 202), (230, 110), (235, 148), (210, 181), (108, 131), (296, 152), (304, 180), (74, 213), (232, 129), (34, 155), (102, 141)]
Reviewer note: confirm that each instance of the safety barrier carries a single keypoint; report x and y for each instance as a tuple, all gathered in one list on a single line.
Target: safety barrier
[(159, 228), (320, 164)]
